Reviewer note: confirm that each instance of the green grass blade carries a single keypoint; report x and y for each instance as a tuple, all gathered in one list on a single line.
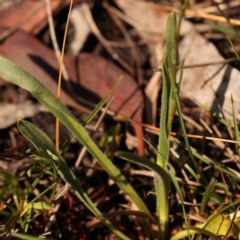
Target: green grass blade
[(228, 30), (163, 145), (180, 75), (231, 43), (202, 231), (166, 117), (94, 112), (191, 230), (15, 74), (183, 234), (42, 142), (235, 127), (167, 104), (185, 133), (188, 147), (162, 186), (101, 103), (193, 153), (206, 197), (39, 206), (175, 183), (215, 115), (42, 193), (191, 171), (26, 236), (224, 186), (174, 180), (182, 9), (208, 162)]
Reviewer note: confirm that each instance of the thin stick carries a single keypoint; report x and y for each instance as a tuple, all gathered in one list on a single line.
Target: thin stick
[(60, 73), (156, 130), (102, 40), (104, 112), (203, 64), (192, 13), (223, 6), (54, 39), (128, 39)]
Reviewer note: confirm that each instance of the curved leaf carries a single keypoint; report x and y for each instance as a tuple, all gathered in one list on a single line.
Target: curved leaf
[(161, 180), (42, 142), (15, 74)]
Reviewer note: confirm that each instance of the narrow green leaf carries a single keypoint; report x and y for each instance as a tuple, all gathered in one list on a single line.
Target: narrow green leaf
[(231, 43), (187, 145), (185, 134), (191, 171), (175, 183), (167, 104), (162, 185), (228, 30), (42, 142), (206, 197), (39, 169), (15, 74), (94, 112), (171, 42), (235, 126), (202, 231), (39, 206), (41, 194), (101, 103), (215, 115), (166, 117), (26, 236), (208, 161), (180, 75), (182, 9)]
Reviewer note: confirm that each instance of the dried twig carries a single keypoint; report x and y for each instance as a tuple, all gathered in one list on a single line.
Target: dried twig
[(101, 38), (54, 39)]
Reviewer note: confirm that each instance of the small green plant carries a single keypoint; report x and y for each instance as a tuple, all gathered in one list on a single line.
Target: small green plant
[(45, 148), (22, 211), (15, 74), (51, 164), (160, 169)]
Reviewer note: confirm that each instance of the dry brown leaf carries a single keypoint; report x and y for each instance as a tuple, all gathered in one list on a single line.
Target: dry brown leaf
[(11, 16), (10, 113), (200, 83), (143, 17), (195, 49), (150, 22), (91, 77)]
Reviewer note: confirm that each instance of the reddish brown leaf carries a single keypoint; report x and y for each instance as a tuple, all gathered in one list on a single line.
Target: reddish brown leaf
[(11, 16), (91, 77)]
